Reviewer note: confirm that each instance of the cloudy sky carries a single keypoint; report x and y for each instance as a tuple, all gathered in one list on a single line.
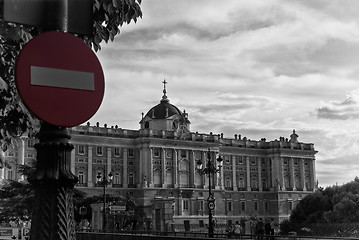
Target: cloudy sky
[(255, 68)]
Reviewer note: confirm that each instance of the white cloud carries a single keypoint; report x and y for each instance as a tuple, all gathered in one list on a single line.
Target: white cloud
[(257, 68)]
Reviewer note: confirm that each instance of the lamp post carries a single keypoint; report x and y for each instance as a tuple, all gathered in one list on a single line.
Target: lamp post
[(104, 182), (209, 170)]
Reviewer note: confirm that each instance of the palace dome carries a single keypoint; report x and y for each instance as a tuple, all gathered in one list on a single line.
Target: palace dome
[(163, 110)]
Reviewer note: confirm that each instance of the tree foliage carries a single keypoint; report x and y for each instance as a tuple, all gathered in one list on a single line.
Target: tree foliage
[(17, 197), (15, 119), (336, 204), (131, 205)]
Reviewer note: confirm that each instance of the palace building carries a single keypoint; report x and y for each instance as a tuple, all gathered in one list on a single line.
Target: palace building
[(156, 166)]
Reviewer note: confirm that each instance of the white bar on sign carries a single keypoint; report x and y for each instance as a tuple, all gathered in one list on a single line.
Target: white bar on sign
[(54, 77)]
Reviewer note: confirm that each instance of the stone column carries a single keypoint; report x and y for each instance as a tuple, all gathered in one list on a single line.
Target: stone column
[(109, 165), (192, 168), (150, 177), (89, 167), (313, 180), (21, 156), (280, 173), (220, 175), (163, 168), (234, 173), (73, 159), (248, 174), (291, 175), (204, 162), (124, 170), (260, 185), (274, 174), (175, 168), (302, 174), (144, 160)]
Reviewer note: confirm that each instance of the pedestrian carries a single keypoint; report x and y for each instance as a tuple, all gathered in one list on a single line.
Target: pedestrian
[(230, 231), (267, 229), (237, 229), (272, 228), (260, 229)]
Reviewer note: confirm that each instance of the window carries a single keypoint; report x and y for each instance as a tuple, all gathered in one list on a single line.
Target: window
[(290, 206), (185, 205), (243, 206), (99, 151), (201, 204), (11, 154), (131, 153), (147, 124), (117, 151), (254, 183), (227, 159), (10, 175), (99, 179), (131, 179), (30, 143), (266, 206), (81, 177), (241, 183), (285, 162), (201, 223), (183, 153), (253, 162), (264, 183), (117, 178), (81, 149), (169, 153), (229, 206), (228, 183), (255, 206), (156, 152)]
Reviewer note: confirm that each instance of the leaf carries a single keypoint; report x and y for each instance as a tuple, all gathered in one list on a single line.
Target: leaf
[(3, 84)]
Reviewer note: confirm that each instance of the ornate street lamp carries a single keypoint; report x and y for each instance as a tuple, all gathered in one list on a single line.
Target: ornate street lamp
[(208, 170), (104, 182)]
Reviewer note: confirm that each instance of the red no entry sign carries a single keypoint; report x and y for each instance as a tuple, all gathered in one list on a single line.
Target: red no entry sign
[(60, 79)]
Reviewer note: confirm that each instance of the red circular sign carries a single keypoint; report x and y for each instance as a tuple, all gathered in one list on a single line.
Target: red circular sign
[(60, 79)]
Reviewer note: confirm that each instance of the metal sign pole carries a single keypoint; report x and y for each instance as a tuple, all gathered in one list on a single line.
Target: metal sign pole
[(53, 215)]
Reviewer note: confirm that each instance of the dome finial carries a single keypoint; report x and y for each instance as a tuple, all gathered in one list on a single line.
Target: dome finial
[(164, 97)]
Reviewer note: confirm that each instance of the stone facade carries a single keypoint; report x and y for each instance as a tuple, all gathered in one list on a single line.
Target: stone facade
[(156, 166)]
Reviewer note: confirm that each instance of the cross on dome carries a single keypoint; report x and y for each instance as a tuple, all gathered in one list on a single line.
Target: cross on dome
[(164, 97)]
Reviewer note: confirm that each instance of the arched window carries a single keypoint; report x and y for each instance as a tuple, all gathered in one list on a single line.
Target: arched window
[(147, 124)]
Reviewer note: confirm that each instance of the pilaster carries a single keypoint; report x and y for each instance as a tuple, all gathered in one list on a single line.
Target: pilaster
[(89, 167), (260, 184), (108, 165), (302, 174), (163, 168), (248, 174), (125, 170), (291, 175), (234, 173), (175, 168)]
